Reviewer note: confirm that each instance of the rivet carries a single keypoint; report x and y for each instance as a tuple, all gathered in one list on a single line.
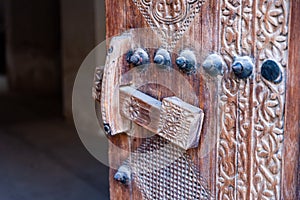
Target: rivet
[(186, 62), (270, 71), (214, 65), (162, 58), (138, 57), (123, 174), (242, 66), (111, 49), (107, 128)]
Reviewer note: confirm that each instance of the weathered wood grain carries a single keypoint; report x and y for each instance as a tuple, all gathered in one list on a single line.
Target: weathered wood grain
[(111, 117), (229, 28), (202, 31), (291, 166)]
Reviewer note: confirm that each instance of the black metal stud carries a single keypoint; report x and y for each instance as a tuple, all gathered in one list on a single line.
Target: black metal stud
[(213, 65), (107, 129), (162, 58), (123, 175), (270, 71), (187, 62), (138, 57), (242, 66)]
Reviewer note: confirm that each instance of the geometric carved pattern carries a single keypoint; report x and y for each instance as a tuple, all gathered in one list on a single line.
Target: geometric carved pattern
[(172, 119), (176, 121), (169, 18), (96, 90), (163, 170), (250, 143)]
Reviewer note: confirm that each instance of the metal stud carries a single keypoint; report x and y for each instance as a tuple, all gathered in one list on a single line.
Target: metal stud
[(138, 57), (242, 66), (162, 58), (187, 62), (107, 129), (214, 65), (123, 174), (270, 71)]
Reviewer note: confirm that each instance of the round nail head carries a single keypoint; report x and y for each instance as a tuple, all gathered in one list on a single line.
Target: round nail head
[(270, 71), (242, 67), (159, 59), (134, 59), (107, 128)]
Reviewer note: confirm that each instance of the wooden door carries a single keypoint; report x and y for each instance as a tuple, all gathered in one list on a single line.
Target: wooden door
[(251, 124)]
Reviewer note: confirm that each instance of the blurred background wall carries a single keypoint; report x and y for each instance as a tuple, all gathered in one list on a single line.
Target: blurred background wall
[(82, 28), (32, 35), (3, 83), (42, 45)]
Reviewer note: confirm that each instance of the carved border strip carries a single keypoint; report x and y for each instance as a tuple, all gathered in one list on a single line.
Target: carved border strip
[(272, 43), (226, 167), (97, 86), (245, 102), (252, 111)]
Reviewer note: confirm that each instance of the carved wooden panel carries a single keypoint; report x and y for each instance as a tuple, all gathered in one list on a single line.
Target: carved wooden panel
[(269, 100), (169, 18), (252, 150), (250, 143)]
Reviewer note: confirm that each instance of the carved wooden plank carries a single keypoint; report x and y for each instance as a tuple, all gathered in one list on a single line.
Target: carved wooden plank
[(226, 176), (255, 176), (140, 108), (269, 99), (122, 15), (172, 119), (243, 24), (203, 31), (114, 123)]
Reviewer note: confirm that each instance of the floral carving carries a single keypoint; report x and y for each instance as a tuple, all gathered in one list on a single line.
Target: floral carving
[(227, 143), (244, 103), (252, 111), (272, 43), (132, 108), (272, 32), (247, 27)]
